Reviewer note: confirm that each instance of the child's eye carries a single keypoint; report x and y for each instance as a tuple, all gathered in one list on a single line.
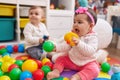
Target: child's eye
[(79, 22), (36, 14)]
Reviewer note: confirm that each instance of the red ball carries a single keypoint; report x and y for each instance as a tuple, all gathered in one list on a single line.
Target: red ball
[(28, 79), (15, 48), (39, 63), (12, 67), (38, 75), (50, 64)]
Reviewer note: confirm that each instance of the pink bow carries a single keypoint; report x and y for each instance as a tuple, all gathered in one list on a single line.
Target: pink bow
[(81, 10)]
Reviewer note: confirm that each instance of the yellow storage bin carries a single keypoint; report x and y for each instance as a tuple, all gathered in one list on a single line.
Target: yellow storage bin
[(7, 10), (23, 22)]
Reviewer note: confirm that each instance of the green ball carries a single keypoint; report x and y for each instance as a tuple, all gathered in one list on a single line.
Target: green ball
[(19, 63), (3, 50), (15, 74), (1, 73), (46, 69), (0, 64), (48, 46), (105, 67)]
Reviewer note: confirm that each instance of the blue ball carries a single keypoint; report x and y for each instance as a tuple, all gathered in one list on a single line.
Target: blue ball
[(9, 48), (25, 74), (21, 48)]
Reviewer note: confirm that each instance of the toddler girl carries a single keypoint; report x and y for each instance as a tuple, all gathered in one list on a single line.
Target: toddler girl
[(81, 56)]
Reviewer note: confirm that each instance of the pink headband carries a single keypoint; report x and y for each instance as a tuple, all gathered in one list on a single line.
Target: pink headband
[(84, 10)]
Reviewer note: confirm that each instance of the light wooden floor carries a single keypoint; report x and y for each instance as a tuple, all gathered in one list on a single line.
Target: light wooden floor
[(113, 51)]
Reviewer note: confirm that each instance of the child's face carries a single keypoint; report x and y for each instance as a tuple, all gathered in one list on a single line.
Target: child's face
[(81, 26), (35, 15)]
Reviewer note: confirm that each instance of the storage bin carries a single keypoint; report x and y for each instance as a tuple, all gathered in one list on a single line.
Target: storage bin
[(6, 10), (23, 22), (24, 11), (7, 29)]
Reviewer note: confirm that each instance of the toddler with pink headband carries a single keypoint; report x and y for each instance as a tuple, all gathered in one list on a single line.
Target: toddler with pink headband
[(81, 56)]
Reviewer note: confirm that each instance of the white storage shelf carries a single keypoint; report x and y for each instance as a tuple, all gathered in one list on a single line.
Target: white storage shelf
[(58, 22)]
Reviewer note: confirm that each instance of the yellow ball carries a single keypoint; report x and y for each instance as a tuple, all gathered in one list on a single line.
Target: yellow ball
[(29, 65), (68, 38), (4, 78), (5, 66), (45, 60)]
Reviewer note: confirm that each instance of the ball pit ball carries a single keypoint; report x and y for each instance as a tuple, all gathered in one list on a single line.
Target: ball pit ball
[(5, 78), (38, 74), (15, 48), (105, 67), (15, 74), (46, 69), (50, 64), (25, 74), (39, 63), (19, 63), (30, 65), (1, 72), (48, 46), (28, 79), (44, 60), (12, 67), (5, 66)]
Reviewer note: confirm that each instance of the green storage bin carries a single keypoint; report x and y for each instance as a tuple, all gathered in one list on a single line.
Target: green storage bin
[(7, 29)]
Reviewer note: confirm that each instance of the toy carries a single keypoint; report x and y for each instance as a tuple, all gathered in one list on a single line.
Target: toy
[(9, 48), (21, 48), (12, 66), (15, 74), (38, 74), (15, 48), (101, 79), (25, 74), (4, 78), (116, 71), (68, 38), (29, 65), (19, 63), (48, 46), (61, 78), (39, 63), (105, 67), (46, 69), (44, 60)]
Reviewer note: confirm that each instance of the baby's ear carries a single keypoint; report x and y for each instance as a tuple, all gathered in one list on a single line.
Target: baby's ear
[(92, 25)]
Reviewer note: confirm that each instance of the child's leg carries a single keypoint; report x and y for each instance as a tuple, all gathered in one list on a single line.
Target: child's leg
[(61, 63), (88, 72)]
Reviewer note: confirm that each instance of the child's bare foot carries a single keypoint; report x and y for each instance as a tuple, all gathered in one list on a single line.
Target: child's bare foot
[(54, 74), (75, 77)]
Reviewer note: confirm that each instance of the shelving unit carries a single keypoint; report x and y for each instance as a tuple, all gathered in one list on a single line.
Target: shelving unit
[(58, 21)]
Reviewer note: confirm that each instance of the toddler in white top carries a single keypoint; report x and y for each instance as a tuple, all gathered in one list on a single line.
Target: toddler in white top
[(35, 32)]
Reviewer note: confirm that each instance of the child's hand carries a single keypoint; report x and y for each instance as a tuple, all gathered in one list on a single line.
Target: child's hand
[(41, 40), (75, 40)]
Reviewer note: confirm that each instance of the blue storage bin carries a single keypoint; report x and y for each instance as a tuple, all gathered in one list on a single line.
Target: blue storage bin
[(7, 29)]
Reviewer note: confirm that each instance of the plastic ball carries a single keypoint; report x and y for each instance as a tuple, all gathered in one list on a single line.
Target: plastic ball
[(50, 64), (105, 67), (46, 69), (21, 48), (25, 74), (68, 38), (5, 78), (3, 50), (48, 46), (9, 48), (39, 63), (19, 63), (0, 64), (15, 74), (1, 73), (15, 48), (38, 75), (5, 66), (45, 60), (12, 67), (29, 65), (3, 46), (28, 79), (6, 58)]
